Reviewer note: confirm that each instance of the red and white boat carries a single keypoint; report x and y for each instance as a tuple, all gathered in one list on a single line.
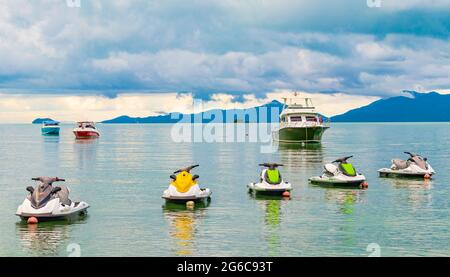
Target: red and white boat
[(86, 130)]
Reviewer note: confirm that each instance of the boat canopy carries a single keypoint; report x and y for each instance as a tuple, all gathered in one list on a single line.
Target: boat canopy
[(50, 122)]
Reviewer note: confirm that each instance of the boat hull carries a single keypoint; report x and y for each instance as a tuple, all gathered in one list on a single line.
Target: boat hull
[(50, 131), (303, 134), (86, 134)]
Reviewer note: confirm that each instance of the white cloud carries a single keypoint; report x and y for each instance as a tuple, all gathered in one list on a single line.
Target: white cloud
[(25, 108), (241, 47)]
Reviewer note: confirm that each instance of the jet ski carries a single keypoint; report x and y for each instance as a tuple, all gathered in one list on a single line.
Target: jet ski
[(343, 174), (48, 202), (184, 187), (415, 166), (270, 181)]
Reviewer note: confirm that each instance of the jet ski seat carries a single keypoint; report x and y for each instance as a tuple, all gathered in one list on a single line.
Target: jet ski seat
[(400, 164), (273, 176)]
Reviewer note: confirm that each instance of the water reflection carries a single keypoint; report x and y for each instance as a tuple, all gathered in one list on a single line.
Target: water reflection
[(85, 152), (301, 155), (43, 239), (419, 190), (183, 226), (272, 207), (51, 151), (344, 198)]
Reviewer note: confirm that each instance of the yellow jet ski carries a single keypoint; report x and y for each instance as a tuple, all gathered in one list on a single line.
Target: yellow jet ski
[(184, 187)]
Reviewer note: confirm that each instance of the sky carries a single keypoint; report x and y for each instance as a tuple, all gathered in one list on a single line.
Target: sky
[(104, 58)]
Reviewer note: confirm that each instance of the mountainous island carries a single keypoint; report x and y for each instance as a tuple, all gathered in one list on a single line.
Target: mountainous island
[(416, 107), (269, 112), (413, 107)]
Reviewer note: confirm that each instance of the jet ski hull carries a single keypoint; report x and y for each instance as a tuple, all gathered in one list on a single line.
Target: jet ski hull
[(54, 211), (52, 217), (184, 199), (335, 182), (194, 194), (264, 189), (390, 173)]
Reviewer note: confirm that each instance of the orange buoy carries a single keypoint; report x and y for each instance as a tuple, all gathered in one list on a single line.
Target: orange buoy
[(32, 220), (364, 185), (427, 176), (286, 194)]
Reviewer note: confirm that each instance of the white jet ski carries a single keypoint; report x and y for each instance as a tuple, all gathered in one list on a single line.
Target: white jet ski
[(415, 166), (184, 187), (270, 181), (343, 174), (47, 202)]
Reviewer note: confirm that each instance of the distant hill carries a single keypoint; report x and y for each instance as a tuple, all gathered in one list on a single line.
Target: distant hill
[(40, 120), (269, 112), (419, 107)]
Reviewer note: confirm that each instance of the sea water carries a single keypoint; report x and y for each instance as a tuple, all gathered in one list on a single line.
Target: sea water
[(123, 174)]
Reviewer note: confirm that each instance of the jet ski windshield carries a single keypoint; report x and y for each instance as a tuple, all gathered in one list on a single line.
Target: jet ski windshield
[(347, 169), (273, 176), (43, 192), (420, 162)]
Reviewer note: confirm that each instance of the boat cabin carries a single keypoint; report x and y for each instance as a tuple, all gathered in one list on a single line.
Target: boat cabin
[(306, 118), (50, 123), (86, 124), (300, 111)]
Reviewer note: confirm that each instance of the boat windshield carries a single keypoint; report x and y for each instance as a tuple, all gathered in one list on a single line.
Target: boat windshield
[(311, 118), (86, 125), (51, 123), (296, 118)]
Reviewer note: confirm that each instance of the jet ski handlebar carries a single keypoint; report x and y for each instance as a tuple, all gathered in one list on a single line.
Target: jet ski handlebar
[(187, 169), (271, 165), (342, 160), (56, 179)]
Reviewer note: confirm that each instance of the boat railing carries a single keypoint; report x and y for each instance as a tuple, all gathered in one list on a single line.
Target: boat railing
[(303, 124)]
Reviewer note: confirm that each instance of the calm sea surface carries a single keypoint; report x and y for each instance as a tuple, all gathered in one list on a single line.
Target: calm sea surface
[(122, 176)]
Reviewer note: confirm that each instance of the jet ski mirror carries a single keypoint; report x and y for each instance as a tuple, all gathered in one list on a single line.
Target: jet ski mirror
[(173, 177), (195, 177), (56, 189), (30, 189)]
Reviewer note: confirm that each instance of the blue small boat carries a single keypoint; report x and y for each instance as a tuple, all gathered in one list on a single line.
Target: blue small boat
[(50, 128)]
